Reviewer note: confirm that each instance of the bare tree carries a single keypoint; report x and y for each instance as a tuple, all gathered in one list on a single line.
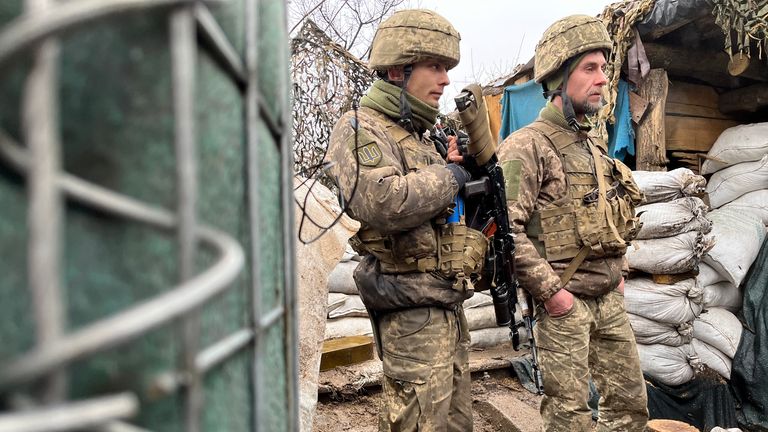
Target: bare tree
[(349, 23)]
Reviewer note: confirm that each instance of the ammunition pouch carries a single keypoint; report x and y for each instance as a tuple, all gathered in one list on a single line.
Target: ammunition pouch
[(461, 254)]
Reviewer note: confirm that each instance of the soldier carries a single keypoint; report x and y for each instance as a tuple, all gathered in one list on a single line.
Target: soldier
[(572, 209), (417, 266)]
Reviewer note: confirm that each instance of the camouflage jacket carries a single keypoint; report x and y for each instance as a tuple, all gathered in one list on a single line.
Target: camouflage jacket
[(537, 180), (400, 184)]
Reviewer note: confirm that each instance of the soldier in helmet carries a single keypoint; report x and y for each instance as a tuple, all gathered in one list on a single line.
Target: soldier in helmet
[(572, 209), (418, 264)]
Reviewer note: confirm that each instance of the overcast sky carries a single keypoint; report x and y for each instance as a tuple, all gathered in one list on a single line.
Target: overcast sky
[(496, 35)]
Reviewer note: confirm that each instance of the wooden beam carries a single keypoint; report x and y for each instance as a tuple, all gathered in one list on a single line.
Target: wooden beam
[(707, 66), (693, 133), (651, 148), (748, 99)]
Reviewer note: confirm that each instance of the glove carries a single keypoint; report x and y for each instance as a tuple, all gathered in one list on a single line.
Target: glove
[(459, 173)]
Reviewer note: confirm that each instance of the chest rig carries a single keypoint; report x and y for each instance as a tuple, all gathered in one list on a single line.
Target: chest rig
[(448, 250), (596, 218)]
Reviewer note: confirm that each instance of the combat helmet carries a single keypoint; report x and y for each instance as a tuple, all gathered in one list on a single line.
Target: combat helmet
[(413, 35), (565, 39)]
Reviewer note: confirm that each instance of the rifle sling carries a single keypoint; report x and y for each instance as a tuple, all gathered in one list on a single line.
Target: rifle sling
[(574, 265)]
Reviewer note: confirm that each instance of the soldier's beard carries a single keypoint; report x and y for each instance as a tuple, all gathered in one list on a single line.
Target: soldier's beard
[(584, 107)]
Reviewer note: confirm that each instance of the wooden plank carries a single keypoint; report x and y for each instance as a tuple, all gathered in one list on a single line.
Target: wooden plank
[(692, 94), (693, 133), (346, 351), (494, 113), (748, 99), (659, 425), (638, 106), (651, 151)]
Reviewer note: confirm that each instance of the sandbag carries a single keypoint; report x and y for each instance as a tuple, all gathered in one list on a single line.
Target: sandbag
[(668, 185), (755, 202), (738, 237), (666, 219), (713, 358), (723, 295), (718, 328), (335, 300), (669, 255), (352, 306), (479, 299), (708, 276), (742, 143), (348, 326), (672, 304), (491, 337), (649, 332), (481, 317), (727, 185), (340, 280), (669, 365)]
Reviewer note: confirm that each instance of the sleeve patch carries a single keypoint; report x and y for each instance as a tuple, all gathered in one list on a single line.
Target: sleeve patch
[(512, 170), (367, 150)]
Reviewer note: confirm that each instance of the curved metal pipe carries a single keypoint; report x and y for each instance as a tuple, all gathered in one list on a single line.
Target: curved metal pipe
[(72, 416)]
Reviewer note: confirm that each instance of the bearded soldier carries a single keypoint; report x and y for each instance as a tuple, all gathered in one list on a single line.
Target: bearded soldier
[(419, 258), (572, 209)]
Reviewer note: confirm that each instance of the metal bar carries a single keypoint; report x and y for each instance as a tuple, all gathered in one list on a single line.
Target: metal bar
[(131, 323), (183, 59), (289, 246), (72, 416), (169, 382), (219, 45), (117, 426), (253, 172), (40, 128), (270, 318)]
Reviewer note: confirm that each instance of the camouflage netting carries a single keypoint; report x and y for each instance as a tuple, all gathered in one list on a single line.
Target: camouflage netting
[(326, 80), (620, 19), (747, 20)]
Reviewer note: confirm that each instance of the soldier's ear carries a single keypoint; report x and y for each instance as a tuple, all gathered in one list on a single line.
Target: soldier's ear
[(396, 73)]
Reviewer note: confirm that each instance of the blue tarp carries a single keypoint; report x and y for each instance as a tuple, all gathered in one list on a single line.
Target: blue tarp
[(520, 106), (621, 136)]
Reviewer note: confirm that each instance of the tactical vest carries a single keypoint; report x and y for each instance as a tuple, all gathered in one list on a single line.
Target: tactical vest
[(448, 250), (597, 217)]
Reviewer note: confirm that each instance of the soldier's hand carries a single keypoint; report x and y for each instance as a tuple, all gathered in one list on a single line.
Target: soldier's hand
[(559, 304), (453, 150), (459, 173)]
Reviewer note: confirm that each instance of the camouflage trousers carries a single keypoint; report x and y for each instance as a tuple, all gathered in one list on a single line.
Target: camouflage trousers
[(593, 338), (426, 384)]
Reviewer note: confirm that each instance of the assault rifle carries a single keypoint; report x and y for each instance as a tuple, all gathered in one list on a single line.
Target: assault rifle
[(486, 210)]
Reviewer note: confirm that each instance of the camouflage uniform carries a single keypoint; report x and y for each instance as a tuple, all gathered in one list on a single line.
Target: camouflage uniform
[(402, 193), (568, 201)]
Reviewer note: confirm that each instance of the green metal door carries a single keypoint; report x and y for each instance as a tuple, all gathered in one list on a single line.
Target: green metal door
[(146, 255)]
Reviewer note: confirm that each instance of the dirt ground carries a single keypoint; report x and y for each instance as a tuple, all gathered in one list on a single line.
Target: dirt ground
[(360, 412)]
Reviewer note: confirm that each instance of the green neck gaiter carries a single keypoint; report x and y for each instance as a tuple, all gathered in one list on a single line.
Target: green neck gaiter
[(385, 98), (555, 115)]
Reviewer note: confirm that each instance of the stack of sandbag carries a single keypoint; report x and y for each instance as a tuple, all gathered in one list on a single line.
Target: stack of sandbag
[(347, 315), (738, 162)]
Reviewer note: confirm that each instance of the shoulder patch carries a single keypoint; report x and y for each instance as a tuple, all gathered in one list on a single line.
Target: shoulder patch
[(368, 151), (512, 170)]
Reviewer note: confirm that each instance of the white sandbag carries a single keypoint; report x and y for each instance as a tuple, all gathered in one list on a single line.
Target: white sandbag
[(743, 143), (668, 185), (755, 202), (718, 328), (668, 365), (349, 326), (669, 255), (727, 185), (351, 307), (479, 299), (649, 332), (666, 219), (713, 358), (335, 300), (708, 276), (672, 304), (340, 280), (723, 295), (314, 262), (738, 237), (481, 317), (491, 337)]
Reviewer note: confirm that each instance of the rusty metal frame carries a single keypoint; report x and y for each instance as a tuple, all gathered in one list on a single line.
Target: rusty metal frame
[(38, 30)]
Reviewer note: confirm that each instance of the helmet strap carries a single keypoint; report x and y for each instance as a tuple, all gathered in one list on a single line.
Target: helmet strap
[(406, 116), (568, 111)]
